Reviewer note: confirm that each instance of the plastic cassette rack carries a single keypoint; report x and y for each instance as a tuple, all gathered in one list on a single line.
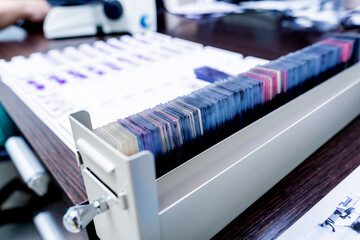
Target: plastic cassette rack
[(211, 189)]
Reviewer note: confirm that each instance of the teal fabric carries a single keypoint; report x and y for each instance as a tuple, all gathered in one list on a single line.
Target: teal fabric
[(7, 127)]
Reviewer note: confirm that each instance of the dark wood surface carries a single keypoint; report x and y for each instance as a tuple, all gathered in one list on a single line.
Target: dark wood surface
[(257, 35), (301, 189)]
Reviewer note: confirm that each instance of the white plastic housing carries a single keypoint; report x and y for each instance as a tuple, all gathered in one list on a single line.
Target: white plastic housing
[(84, 20)]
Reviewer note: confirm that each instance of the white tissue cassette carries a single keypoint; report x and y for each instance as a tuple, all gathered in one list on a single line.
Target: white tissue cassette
[(100, 17)]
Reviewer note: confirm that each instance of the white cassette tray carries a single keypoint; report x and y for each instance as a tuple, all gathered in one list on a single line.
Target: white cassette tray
[(200, 197)]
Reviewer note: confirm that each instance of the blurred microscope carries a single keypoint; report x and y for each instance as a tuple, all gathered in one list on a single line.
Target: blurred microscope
[(74, 18)]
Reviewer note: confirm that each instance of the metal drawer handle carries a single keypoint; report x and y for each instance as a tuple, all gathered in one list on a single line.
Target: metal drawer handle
[(78, 217)]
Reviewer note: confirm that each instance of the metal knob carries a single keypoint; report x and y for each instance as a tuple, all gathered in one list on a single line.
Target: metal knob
[(78, 217), (113, 9)]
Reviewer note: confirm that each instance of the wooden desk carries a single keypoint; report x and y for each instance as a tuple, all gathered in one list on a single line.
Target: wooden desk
[(255, 35)]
